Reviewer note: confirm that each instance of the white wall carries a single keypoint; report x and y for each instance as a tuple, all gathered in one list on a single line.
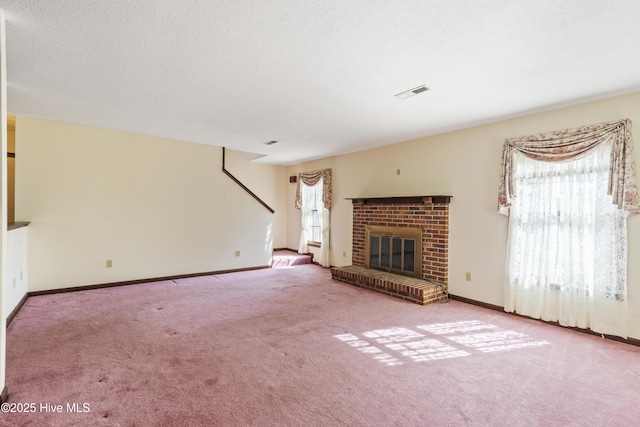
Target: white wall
[(17, 274), (464, 164), (265, 181), (3, 202), (155, 207)]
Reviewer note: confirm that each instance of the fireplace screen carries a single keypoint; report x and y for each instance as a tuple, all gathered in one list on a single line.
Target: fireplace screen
[(394, 249), (396, 253)]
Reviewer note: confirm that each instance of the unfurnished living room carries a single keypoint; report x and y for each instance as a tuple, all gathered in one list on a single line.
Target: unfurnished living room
[(326, 213)]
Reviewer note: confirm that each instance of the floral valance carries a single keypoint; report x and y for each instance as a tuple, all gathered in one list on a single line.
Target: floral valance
[(312, 178), (571, 143)]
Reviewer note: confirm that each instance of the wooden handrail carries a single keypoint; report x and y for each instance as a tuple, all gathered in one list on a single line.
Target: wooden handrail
[(244, 187)]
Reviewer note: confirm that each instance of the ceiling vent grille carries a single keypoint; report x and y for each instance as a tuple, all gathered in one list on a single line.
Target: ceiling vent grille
[(411, 92)]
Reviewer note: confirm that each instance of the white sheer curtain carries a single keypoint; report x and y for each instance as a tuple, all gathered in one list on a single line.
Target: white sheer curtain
[(321, 180), (315, 199), (567, 251), (325, 226), (305, 216)]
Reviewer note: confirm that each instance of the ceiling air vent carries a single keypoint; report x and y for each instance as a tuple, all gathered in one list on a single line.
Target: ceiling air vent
[(411, 92)]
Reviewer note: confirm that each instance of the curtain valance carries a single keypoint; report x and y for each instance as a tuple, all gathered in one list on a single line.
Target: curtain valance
[(570, 143), (312, 178)]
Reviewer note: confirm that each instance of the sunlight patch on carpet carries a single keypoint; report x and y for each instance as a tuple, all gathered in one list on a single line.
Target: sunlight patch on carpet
[(391, 335), (427, 349), (388, 345), (481, 336), (367, 348)]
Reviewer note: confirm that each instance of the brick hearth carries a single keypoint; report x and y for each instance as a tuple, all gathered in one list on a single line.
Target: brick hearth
[(431, 214), (408, 288)]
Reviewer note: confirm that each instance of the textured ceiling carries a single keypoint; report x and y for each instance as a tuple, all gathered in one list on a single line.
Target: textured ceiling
[(319, 76)]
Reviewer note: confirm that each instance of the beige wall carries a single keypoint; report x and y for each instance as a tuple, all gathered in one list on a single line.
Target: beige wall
[(464, 164), (17, 269), (267, 182), (11, 168), (156, 207)]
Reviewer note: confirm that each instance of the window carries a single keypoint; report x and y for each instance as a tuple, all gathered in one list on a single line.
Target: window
[(314, 228), (312, 209), (313, 198), (568, 194), (567, 242)]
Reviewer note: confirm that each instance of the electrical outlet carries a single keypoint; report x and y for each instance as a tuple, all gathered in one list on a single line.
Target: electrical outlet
[(109, 263), (468, 277), (344, 254), (237, 253)]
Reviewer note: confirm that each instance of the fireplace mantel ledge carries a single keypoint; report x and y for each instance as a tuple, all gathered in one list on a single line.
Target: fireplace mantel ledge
[(392, 200)]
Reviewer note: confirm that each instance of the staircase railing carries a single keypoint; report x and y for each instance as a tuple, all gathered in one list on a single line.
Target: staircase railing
[(244, 187)]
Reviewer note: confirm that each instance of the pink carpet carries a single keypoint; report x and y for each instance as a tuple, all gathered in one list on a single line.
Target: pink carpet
[(291, 347), (285, 258)]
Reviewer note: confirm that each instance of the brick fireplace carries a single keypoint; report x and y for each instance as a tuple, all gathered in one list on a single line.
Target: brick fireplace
[(428, 213)]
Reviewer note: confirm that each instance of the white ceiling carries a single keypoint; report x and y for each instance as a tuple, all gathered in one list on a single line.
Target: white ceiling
[(319, 76)]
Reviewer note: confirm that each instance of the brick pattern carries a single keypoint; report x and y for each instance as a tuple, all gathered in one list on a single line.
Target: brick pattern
[(408, 288), (432, 216)]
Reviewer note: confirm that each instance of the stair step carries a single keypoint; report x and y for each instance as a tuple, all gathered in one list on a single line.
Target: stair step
[(286, 258)]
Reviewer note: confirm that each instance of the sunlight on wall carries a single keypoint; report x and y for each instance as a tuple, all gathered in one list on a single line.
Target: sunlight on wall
[(268, 242), (400, 342)]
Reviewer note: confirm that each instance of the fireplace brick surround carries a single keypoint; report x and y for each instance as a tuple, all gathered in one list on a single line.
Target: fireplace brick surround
[(431, 214)]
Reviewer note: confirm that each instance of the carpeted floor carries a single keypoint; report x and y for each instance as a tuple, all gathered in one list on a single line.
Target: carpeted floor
[(284, 258), (291, 347)]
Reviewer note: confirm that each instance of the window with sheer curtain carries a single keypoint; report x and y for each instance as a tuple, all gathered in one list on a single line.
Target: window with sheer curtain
[(311, 212), (567, 241), (313, 198)]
